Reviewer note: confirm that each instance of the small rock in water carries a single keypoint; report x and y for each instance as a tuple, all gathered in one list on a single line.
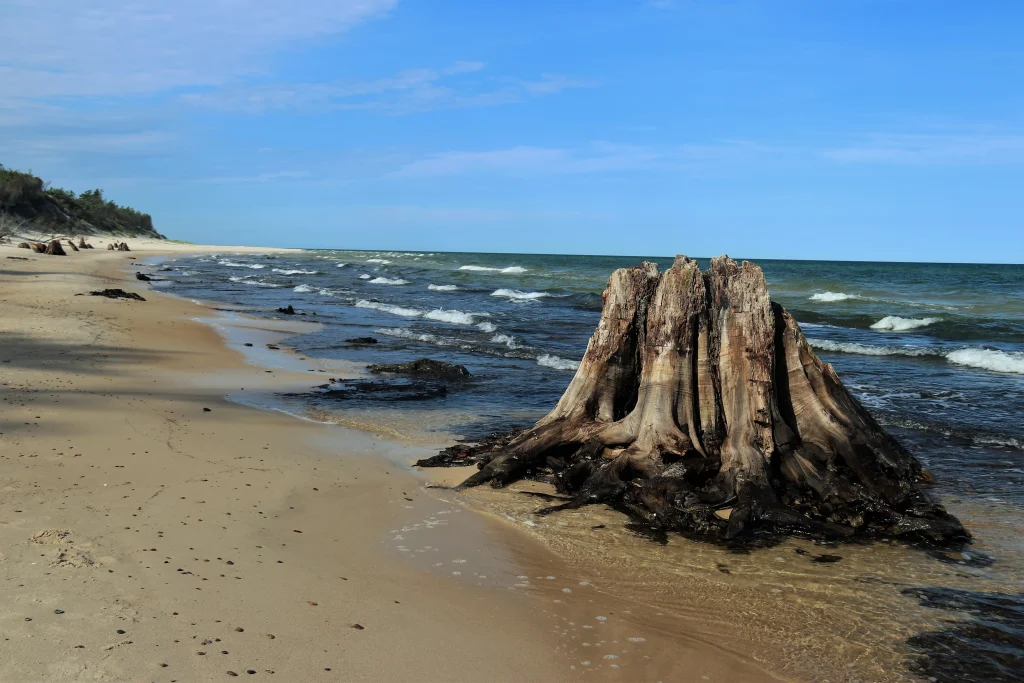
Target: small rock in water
[(287, 311), (827, 558)]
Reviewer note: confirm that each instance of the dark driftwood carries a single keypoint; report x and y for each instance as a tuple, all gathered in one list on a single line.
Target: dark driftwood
[(700, 407), (117, 294)]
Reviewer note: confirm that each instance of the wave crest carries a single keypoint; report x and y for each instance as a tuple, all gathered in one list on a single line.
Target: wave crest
[(235, 264), (550, 361), (388, 281), (833, 296), (489, 269), (443, 288), (517, 295), (989, 359), (894, 323)]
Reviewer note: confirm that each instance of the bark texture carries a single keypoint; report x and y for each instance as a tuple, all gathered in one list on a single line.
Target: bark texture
[(699, 407)]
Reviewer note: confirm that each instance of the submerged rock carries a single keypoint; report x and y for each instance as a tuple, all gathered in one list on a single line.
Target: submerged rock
[(361, 340), (422, 367), (143, 277), (287, 311)]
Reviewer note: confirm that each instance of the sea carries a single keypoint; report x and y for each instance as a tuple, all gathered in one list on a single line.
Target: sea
[(934, 351)]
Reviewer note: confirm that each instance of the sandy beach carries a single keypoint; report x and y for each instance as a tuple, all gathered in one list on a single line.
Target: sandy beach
[(150, 529)]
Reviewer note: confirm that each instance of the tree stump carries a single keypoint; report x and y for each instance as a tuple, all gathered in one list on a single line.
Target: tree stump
[(55, 249), (699, 407)]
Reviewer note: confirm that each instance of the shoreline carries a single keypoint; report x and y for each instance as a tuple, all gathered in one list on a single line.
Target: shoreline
[(121, 496)]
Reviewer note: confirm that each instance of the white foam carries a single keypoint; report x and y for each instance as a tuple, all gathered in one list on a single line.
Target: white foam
[(377, 260), (340, 265), (364, 276), (488, 269), (989, 359), (295, 271), (982, 359), (440, 314), (326, 292), (403, 333), (550, 361), (388, 308), (388, 281), (233, 264), (450, 316), (443, 288), (832, 296), (895, 323), (869, 349), (506, 339), (304, 289), (486, 326), (518, 295)]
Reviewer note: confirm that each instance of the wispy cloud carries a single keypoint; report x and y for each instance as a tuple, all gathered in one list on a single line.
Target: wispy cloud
[(457, 85), (601, 157), (67, 48), (971, 147)]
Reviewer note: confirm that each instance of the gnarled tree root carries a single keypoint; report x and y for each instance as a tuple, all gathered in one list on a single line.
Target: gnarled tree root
[(699, 407)]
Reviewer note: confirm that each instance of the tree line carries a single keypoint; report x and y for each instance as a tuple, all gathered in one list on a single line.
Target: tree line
[(26, 196)]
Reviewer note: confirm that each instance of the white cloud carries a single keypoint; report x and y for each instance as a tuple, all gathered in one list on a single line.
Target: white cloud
[(960, 148), (62, 48), (599, 157), (458, 85)]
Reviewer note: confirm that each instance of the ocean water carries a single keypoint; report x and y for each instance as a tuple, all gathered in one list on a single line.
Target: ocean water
[(934, 351)]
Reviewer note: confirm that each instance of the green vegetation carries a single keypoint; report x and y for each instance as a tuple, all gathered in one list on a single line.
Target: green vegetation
[(25, 197)]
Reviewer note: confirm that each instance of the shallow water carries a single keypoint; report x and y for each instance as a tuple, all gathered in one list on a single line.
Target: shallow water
[(936, 352)]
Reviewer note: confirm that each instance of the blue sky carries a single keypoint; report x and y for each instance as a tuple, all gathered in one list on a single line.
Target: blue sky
[(847, 129)]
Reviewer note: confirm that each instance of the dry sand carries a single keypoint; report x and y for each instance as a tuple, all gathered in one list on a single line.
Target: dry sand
[(150, 529)]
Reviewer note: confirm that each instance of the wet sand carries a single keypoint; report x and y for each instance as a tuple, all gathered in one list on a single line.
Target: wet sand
[(152, 529)]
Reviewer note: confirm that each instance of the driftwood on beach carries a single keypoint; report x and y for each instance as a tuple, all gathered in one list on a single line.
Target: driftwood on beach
[(699, 407)]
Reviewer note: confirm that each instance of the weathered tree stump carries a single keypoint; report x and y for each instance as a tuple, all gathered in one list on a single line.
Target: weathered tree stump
[(699, 407), (55, 249)]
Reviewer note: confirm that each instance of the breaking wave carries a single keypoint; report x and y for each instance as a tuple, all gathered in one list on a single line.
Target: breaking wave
[(247, 280), (388, 281), (443, 288), (295, 271), (506, 339), (833, 296), (486, 326), (388, 308), (449, 316), (377, 260), (550, 361), (441, 314), (993, 360), (304, 289), (894, 323), (488, 269), (519, 296), (364, 276), (989, 359), (235, 264)]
